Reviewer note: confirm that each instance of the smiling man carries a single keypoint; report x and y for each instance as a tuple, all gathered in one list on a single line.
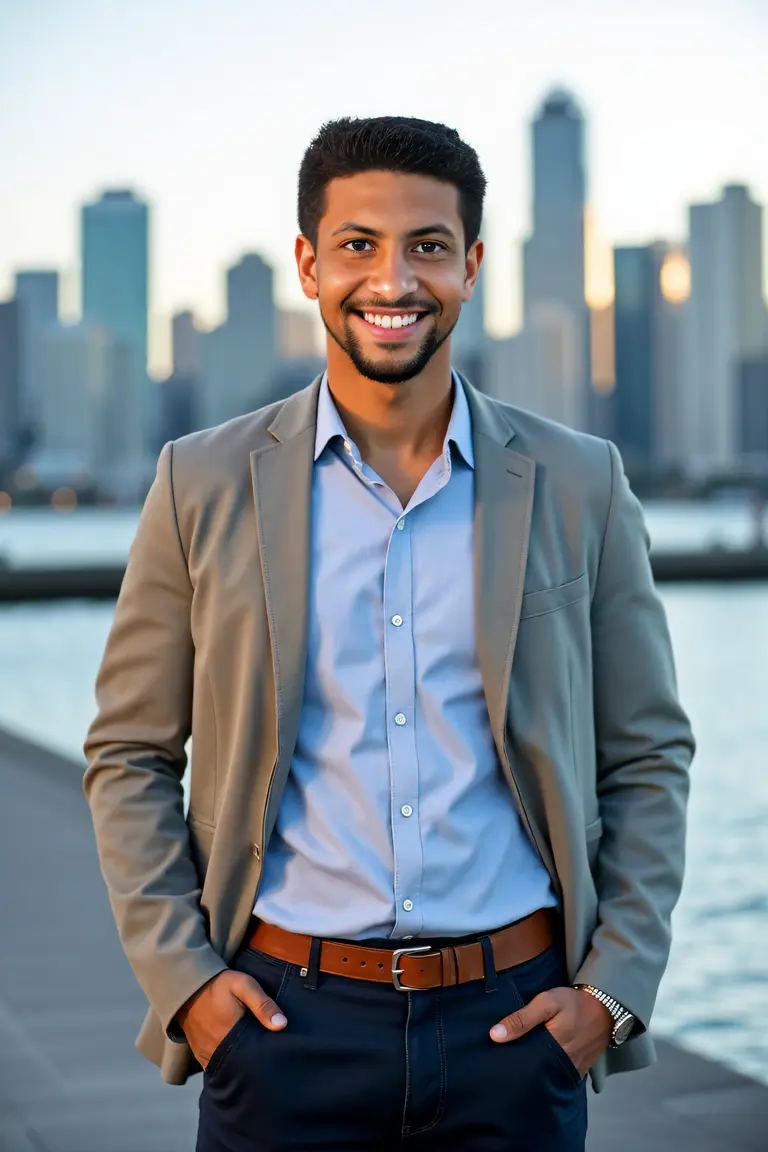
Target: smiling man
[(440, 770)]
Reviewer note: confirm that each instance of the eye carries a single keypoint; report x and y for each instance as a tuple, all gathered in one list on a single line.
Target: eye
[(433, 245), (356, 242)]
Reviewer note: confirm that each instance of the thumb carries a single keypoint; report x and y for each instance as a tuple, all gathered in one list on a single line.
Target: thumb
[(250, 993), (537, 1011)]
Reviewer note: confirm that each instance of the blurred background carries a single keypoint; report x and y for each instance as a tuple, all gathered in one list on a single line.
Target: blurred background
[(147, 287)]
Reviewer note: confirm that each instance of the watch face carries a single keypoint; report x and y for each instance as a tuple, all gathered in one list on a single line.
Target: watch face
[(623, 1031)]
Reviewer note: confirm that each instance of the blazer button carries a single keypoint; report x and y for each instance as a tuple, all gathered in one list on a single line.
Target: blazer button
[(257, 851)]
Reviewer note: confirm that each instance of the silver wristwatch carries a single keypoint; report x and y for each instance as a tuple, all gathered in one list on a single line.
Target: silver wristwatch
[(623, 1021)]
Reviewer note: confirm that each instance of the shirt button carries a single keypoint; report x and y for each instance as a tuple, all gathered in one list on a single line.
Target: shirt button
[(397, 621), (408, 905), (407, 810), (400, 525), (400, 719)]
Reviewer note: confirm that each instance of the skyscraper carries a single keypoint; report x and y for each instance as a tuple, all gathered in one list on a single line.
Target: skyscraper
[(647, 333), (10, 380), (297, 333), (38, 294), (239, 356), (553, 254), (753, 396), (469, 342), (725, 322), (76, 371), (186, 345), (90, 418), (115, 284)]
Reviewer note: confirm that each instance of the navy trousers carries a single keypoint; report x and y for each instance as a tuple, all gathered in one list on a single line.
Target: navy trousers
[(361, 1067)]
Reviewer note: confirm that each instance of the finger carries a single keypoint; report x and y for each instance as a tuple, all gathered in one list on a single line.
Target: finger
[(537, 1011), (263, 1007)]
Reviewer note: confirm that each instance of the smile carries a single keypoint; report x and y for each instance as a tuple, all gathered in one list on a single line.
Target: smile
[(392, 326)]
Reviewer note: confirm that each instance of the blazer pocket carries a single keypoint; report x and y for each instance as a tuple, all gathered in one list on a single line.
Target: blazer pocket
[(550, 599)]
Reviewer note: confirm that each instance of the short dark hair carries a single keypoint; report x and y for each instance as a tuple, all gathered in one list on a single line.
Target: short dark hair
[(347, 146)]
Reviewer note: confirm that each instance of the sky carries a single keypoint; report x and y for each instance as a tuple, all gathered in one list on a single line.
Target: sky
[(206, 106)]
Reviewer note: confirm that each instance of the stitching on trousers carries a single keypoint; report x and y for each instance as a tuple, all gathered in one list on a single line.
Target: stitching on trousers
[(283, 982), (443, 1076), (404, 1129), (234, 1040)]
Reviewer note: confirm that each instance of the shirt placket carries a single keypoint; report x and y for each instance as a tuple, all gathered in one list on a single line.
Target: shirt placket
[(400, 675)]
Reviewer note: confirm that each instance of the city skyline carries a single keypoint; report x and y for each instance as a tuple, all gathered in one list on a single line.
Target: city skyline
[(652, 147)]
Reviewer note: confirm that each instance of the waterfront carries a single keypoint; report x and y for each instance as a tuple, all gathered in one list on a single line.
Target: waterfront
[(714, 998), (40, 536)]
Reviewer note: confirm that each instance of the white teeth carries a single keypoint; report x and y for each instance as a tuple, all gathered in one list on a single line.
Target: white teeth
[(390, 321)]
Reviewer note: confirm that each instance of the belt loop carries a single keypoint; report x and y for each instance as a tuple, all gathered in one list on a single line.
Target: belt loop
[(313, 967), (489, 964), (449, 967)]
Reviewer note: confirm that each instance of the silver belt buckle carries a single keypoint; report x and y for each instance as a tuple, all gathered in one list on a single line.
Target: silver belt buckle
[(397, 972)]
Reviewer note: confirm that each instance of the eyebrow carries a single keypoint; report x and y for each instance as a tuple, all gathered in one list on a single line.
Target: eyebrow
[(430, 230)]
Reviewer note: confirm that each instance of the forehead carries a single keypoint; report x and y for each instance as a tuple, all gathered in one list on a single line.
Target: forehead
[(391, 201)]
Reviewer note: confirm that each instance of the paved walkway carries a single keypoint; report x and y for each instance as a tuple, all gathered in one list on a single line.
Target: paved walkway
[(70, 1078)]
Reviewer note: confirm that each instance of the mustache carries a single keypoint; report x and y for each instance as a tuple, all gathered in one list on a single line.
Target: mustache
[(397, 305)]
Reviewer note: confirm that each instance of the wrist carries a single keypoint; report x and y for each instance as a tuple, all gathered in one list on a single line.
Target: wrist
[(183, 1013), (622, 1022), (597, 1005)]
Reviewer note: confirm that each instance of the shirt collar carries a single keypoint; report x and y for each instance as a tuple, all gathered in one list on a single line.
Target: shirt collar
[(329, 423)]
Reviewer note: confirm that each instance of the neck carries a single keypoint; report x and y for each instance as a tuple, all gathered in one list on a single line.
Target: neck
[(408, 419)]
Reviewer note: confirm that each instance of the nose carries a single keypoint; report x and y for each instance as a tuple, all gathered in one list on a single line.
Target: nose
[(392, 276)]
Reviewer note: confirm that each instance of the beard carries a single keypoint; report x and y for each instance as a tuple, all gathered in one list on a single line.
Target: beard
[(383, 370)]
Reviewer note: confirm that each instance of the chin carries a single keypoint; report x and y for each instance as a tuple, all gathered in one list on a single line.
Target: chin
[(389, 373), (390, 369)]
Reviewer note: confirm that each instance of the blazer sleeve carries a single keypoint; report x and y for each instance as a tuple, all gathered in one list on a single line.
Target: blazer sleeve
[(644, 749), (136, 756)]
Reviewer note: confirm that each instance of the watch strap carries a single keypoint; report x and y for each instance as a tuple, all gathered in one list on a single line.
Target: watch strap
[(617, 1010)]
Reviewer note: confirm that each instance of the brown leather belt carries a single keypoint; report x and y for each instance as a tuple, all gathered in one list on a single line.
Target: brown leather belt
[(413, 967)]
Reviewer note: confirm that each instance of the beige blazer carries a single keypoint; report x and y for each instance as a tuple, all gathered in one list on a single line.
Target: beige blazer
[(209, 640)]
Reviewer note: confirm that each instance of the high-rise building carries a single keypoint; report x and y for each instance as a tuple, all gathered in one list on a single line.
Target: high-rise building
[(647, 336), (38, 294), (469, 341), (75, 379), (115, 284), (529, 369), (90, 420), (725, 322), (506, 376), (553, 255), (296, 333), (177, 403), (239, 356), (753, 396), (187, 346), (10, 380)]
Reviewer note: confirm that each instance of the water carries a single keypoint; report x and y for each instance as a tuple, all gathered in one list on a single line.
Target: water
[(714, 996), (39, 536)]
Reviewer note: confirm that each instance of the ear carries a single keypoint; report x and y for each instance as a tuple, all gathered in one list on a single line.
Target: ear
[(471, 269), (306, 264)]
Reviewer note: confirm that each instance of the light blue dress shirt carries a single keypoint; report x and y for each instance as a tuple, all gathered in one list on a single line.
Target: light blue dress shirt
[(396, 820)]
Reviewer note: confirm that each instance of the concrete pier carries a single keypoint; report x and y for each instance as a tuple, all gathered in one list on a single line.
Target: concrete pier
[(70, 1077)]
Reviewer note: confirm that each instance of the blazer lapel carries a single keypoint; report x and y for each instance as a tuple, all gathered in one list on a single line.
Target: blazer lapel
[(282, 489), (504, 486)]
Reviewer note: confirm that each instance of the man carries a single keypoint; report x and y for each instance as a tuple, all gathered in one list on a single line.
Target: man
[(439, 769)]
